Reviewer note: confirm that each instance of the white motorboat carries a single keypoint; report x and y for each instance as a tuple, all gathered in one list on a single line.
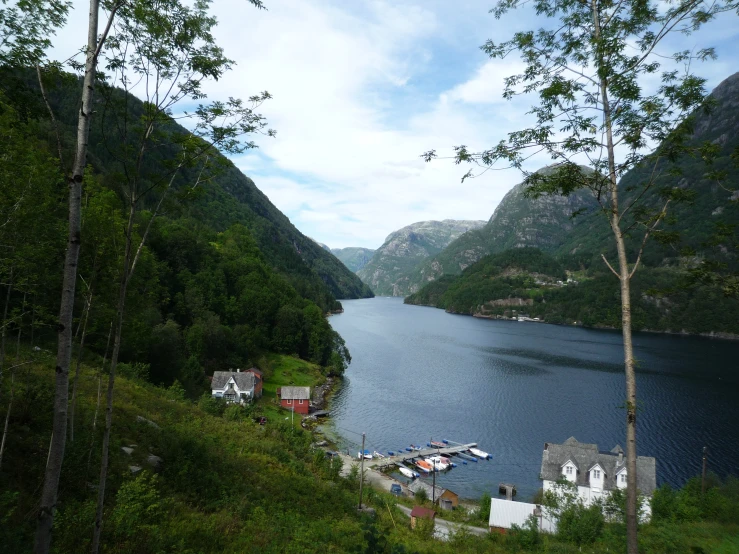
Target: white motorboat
[(480, 453), (407, 472)]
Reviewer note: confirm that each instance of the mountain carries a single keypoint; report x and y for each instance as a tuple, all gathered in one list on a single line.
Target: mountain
[(324, 246), (353, 257), (230, 198), (686, 287), (517, 222), (388, 272)]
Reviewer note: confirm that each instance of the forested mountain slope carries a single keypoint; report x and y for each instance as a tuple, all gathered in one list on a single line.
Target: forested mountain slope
[(685, 284), (354, 257), (389, 271), (229, 197), (516, 222)]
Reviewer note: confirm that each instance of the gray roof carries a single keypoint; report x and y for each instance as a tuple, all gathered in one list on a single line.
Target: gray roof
[(295, 393), (244, 381), (418, 485), (585, 456)]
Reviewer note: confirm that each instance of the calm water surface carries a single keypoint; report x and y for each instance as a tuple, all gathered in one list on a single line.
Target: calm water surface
[(419, 373)]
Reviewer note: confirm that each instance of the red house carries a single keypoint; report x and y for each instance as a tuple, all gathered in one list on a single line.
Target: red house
[(258, 380), (295, 398)]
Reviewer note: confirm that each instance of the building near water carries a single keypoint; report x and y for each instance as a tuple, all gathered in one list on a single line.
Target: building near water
[(595, 473), (233, 386)]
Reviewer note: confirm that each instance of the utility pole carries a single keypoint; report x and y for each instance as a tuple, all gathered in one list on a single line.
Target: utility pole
[(361, 472), (703, 475), (433, 488), (292, 416)]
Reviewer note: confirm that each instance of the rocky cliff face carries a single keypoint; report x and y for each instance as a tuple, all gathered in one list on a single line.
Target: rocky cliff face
[(517, 222), (353, 257), (388, 272)]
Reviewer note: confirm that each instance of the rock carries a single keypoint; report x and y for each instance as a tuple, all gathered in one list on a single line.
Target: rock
[(135, 469), (154, 461), (127, 449), (147, 421)]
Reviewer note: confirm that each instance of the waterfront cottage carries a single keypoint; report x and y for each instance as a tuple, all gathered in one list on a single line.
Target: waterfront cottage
[(445, 498), (233, 386), (594, 472), (295, 398)]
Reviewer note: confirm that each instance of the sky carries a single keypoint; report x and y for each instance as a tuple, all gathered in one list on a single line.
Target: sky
[(361, 88)]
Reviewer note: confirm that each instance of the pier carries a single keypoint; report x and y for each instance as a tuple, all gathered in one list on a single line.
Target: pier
[(402, 457)]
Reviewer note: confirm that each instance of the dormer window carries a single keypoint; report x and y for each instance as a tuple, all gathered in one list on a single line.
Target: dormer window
[(596, 474), (568, 470), (622, 478)]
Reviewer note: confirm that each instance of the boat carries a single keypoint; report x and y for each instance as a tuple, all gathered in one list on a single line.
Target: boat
[(437, 444), (377, 454), (408, 472), (479, 453), (367, 455), (415, 447), (440, 463), (424, 466)]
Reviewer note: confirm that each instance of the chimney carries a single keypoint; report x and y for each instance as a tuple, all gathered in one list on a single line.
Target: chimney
[(238, 370), (620, 457)]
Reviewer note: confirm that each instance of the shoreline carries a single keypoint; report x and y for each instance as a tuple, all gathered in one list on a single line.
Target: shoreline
[(714, 335)]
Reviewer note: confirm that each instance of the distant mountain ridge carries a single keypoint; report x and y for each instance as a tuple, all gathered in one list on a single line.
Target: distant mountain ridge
[(354, 257), (387, 273), (517, 222)]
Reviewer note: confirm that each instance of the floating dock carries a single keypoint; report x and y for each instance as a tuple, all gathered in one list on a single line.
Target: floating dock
[(402, 457)]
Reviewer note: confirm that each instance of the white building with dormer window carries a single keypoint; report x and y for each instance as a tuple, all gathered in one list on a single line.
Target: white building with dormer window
[(233, 386), (594, 472)]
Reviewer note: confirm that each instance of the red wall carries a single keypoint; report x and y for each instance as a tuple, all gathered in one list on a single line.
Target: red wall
[(299, 408)]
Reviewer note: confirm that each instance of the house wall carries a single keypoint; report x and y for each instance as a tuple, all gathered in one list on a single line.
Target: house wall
[(453, 498), (300, 406), (588, 496), (506, 513)]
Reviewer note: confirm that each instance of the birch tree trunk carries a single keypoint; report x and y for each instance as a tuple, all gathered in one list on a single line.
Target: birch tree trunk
[(66, 309), (5, 324)]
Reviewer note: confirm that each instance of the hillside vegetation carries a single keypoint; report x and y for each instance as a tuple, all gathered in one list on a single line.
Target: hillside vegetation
[(202, 477)]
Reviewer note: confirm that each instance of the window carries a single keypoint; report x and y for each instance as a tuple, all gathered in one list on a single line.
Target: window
[(300, 401), (622, 477), (596, 474), (568, 470), (289, 401)]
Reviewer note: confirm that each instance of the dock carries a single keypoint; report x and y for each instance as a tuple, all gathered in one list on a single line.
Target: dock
[(402, 457)]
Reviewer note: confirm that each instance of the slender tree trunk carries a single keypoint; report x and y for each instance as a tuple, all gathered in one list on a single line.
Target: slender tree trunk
[(66, 309), (7, 416), (623, 274), (97, 404), (111, 380), (5, 324), (77, 369), (20, 329)]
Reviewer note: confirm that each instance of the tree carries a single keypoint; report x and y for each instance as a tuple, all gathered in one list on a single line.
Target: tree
[(66, 308), (168, 49), (590, 70)]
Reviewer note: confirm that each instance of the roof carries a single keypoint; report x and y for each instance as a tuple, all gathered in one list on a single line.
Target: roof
[(255, 370), (244, 381), (420, 511), (506, 513), (588, 455), (418, 485), (295, 393)]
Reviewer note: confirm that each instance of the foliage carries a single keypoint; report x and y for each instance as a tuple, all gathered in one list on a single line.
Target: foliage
[(483, 512)]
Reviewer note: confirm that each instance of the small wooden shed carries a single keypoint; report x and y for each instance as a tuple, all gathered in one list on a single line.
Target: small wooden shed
[(419, 512)]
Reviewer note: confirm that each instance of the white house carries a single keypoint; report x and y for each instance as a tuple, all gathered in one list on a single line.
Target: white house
[(504, 514), (595, 473), (233, 386)]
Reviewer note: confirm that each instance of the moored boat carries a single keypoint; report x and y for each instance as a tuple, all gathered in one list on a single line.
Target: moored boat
[(407, 472), (367, 455), (480, 453), (424, 466), (437, 444)]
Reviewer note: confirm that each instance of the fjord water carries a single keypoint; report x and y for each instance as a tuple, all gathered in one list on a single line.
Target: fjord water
[(419, 373)]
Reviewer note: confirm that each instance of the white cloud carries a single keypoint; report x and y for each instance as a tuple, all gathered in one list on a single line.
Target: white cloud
[(360, 90)]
